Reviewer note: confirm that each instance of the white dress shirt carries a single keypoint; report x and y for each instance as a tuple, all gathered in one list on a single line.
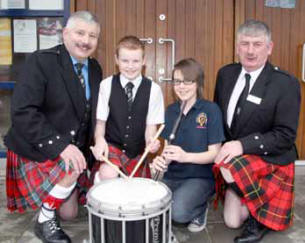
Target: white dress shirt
[(155, 114), (238, 88)]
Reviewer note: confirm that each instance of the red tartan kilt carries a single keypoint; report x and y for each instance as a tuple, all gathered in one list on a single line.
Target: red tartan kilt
[(117, 157), (28, 182), (268, 189)]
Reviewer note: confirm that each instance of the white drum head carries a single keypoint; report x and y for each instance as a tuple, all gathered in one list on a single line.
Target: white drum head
[(129, 196)]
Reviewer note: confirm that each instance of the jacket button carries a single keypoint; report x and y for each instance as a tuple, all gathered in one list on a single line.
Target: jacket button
[(72, 132), (50, 142), (40, 145)]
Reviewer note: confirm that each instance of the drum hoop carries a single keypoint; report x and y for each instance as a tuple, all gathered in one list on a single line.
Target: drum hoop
[(150, 208), (128, 217)]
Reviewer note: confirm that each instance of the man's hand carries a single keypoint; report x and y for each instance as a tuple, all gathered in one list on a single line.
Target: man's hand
[(228, 151), (75, 158)]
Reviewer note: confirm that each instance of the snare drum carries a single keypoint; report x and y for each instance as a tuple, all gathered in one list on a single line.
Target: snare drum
[(135, 210)]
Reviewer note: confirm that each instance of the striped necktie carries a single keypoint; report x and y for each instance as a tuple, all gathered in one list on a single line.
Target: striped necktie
[(128, 91), (79, 67)]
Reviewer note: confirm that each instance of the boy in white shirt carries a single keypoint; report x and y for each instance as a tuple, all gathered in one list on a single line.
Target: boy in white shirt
[(130, 107)]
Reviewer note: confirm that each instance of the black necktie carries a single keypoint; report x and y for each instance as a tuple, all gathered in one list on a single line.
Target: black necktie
[(128, 91), (79, 67), (240, 103)]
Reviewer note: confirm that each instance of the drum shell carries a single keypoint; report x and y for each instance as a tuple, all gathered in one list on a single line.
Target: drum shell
[(106, 220)]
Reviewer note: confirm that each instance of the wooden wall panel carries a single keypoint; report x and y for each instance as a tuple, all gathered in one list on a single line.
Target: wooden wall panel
[(148, 27), (288, 34), (81, 4), (100, 12)]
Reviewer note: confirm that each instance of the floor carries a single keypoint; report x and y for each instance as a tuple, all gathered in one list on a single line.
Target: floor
[(18, 228)]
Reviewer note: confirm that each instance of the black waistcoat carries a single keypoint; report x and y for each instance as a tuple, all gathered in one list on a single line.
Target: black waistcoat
[(126, 129)]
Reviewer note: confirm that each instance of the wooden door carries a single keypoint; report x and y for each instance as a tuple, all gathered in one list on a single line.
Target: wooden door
[(288, 34), (202, 29)]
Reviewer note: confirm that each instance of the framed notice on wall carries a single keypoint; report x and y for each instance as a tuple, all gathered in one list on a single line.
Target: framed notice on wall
[(25, 37), (46, 4), (49, 32), (12, 4)]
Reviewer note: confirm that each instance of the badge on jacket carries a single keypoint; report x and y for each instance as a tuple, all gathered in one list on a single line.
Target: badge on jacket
[(201, 120), (254, 99)]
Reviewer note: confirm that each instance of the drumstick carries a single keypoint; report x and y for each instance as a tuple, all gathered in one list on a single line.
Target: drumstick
[(114, 167), (146, 151)]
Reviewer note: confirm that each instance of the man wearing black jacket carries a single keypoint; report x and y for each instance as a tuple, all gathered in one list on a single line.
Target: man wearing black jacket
[(260, 105), (53, 119)]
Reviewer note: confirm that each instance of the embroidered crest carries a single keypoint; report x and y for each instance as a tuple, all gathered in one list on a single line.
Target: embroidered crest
[(201, 120)]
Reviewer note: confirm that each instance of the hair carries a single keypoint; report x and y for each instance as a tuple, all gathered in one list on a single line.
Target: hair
[(191, 70), (82, 15), (253, 27), (130, 42)]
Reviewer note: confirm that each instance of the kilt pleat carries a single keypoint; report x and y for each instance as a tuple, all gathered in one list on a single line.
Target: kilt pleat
[(268, 189), (117, 157), (28, 182)]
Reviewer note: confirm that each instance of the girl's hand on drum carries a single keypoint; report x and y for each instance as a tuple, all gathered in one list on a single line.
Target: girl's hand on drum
[(173, 152), (100, 149), (159, 163)]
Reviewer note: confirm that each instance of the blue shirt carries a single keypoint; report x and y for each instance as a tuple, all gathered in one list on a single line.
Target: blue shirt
[(85, 74), (201, 127)]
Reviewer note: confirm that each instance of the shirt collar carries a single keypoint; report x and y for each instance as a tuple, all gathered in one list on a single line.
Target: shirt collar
[(136, 82), (254, 74), (74, 61), (195, 106)]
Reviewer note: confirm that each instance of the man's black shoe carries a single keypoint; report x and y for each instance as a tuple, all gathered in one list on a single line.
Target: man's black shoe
[(253, 232), (50, 232)]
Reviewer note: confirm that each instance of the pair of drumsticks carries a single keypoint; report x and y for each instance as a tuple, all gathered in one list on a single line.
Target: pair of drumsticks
[(116, 168)]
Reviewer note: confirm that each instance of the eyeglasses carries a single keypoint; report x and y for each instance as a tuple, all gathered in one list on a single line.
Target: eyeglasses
[(186, 82)]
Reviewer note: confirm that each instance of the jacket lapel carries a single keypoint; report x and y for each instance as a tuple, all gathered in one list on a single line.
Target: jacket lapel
[(229, 84), (70, 79), (95, 78)]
